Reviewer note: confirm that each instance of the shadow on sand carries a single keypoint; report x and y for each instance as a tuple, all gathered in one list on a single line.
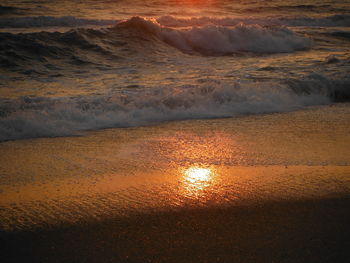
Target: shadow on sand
[(298, 231)]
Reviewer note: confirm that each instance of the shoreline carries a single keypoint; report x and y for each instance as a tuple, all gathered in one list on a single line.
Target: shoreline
[(265, 188)]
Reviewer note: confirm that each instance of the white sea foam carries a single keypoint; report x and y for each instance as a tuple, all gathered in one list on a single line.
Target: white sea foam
[(27, 118), (214, 40)]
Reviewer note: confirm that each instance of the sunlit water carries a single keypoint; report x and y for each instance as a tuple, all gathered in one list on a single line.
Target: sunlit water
[(200, 164)]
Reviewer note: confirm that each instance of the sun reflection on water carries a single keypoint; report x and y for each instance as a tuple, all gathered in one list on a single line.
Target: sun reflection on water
[(197, 174), (196, 180)]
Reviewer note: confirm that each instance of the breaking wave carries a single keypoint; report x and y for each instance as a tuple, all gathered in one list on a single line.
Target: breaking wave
[(18, 50), (220, 40), (28, 117), (50, 52)]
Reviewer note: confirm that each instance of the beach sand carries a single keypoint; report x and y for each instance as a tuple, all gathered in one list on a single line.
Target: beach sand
[(259, 188)]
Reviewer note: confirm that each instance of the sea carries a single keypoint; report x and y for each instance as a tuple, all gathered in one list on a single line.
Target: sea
[(69, 66)]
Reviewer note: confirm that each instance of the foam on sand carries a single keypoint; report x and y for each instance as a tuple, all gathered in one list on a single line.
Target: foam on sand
[(28, 117)]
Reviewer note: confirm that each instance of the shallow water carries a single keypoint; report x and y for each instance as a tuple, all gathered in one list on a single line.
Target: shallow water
[(207, 164), (109, 64)]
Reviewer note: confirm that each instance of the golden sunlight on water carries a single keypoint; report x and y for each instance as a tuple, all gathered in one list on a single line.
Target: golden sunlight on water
[(198, 175), (196, 180), (117, 172)]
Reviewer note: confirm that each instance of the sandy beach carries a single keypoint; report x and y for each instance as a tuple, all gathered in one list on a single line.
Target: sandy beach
[(259, 188)]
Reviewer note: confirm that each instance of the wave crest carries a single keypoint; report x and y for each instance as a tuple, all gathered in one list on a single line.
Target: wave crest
[(21, 51), (219, 40), (37, 117)]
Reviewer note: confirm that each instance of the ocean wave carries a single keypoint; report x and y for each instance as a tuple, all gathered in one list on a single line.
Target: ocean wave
[(339, 20), (341, 34), (50, 21), (37, 117), (20, 51), (219, 40), (318, 8), (5, 10)]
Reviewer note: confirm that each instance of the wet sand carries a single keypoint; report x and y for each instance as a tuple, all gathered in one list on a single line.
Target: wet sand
[(267, 188), (299, 231)]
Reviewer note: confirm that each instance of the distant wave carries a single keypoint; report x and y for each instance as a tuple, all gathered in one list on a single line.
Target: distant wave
[(341, 34), (339, 20), (28, 117), (50, 21), (4, 10), (316, 7)]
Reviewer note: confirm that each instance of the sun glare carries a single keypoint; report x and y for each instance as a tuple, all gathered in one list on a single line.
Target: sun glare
[(196, 174), (196, 180)]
